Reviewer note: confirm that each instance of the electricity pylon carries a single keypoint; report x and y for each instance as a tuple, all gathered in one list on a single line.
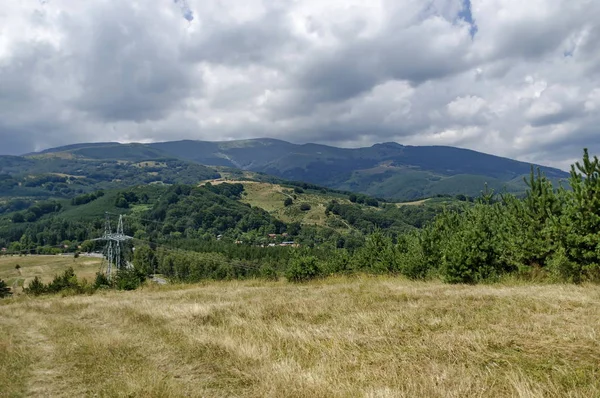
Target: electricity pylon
[(114, 246)]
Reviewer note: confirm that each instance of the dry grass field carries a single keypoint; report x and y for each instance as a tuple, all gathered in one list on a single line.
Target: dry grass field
[(45, 267), (356, 337)]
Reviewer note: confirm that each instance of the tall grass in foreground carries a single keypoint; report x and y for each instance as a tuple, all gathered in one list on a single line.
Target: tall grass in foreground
[(372, 337)]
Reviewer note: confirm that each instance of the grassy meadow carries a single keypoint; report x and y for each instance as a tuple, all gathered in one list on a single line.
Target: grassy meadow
[(339, 337), (271, 197), (45, 267)]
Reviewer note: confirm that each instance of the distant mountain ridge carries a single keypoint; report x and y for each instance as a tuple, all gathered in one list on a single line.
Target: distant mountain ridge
[(389, 170)]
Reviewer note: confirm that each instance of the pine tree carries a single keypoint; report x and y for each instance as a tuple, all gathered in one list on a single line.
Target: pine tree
[(582, 243), (541, 207)]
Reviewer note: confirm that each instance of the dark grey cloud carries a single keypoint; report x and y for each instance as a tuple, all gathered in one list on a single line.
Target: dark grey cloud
[(128, 64), (513, 78), (239, 43)]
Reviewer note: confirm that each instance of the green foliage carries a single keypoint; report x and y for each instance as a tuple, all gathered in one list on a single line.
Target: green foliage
[(86, 198), (305, 207), (288, 202), (268, 272), (339, 261), (303, 269), (35, 287), (4, 289), (194, 233), (144, 260), (66, 281), (411, 256), (125, 199), (36, 211), (101, 281), (128, 279), (563, 268), (470, 254), (582, 242), (378, 255)]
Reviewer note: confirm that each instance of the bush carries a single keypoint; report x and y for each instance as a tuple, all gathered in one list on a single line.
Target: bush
[(268, 272), (101, 281), (305, 207), (4, 289), (303, 269), (288, 202), (564, 269), (68, 280)]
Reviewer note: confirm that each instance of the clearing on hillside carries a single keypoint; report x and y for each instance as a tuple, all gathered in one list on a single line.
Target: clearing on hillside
[(45, 267), (271, 197), (358, 337)]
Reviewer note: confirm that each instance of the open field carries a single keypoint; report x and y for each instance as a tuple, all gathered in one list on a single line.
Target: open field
[(45, 267), (359, 337), (415, 203)]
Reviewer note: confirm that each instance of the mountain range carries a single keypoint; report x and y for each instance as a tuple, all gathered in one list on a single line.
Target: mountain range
[(387, 170)]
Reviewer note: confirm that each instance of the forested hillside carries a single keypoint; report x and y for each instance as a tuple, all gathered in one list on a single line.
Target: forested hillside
[(388, 170), (190, 233), (55, 177)]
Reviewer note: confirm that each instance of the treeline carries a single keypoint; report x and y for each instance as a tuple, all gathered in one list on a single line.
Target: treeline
[(36, 211), (551, 233), (86, 198), (67, 283), (195, 233)]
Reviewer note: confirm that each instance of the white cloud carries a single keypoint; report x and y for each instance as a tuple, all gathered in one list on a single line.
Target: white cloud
[(338, 72)]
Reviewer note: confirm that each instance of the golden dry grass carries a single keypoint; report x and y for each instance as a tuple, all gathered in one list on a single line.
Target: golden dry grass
[(415, 203), (361, 337), (45, 267)]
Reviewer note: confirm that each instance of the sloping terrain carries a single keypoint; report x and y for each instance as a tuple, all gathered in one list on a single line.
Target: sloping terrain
[(387, 170), (357, 337)]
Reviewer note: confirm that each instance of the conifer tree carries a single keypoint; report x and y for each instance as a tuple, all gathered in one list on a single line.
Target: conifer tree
[(583, 216)]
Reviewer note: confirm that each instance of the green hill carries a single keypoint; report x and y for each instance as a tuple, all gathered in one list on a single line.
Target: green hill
[(387, 170)]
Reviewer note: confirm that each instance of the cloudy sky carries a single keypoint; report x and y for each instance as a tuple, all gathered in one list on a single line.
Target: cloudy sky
[(510, 77)]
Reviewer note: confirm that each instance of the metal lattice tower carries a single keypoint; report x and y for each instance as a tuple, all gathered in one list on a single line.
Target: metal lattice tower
[(114, 246)]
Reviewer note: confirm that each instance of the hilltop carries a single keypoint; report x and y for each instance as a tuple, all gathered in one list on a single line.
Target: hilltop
[(388, 170)]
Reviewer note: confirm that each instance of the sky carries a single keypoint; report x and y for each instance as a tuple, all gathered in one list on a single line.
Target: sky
[(514, 78)]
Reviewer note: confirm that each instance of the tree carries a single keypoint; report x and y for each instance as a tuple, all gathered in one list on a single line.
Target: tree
[(18, 218), (144, 260), (582, 242), (303, 269), (4, 289), (36, 287), (288, 202), (352, 198)]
